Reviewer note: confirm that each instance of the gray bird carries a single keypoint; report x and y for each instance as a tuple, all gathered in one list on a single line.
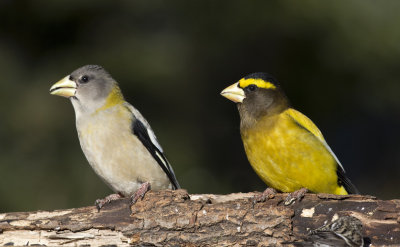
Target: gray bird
[(116, 139)]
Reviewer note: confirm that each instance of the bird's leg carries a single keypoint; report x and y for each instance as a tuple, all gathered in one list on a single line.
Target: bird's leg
[(269, 193), (295, 196), (139, 194), (101, 202)]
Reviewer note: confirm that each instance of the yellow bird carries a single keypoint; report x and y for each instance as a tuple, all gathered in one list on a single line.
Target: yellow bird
[(284, 147)]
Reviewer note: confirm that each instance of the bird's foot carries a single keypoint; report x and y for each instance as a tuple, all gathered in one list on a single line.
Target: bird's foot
[(269, 193), (295, 196), (139, 194), (99, 203)]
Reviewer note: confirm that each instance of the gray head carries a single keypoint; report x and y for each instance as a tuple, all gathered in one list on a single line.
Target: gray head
[(88, 87)]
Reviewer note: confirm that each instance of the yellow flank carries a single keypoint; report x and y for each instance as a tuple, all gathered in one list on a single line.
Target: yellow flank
[(115, 97), (258, 82), (288, 152)]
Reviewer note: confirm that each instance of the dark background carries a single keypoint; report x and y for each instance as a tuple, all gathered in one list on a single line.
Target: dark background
[(337, 60)]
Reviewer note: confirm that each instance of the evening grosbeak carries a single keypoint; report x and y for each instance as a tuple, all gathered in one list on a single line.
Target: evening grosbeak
[(284, 147), (116, 139)]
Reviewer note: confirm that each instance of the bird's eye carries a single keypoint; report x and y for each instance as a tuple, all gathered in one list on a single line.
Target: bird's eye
[(85, 79), (252, 87)]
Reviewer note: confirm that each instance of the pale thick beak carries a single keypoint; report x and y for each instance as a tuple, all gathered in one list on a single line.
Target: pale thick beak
[(65, 87), (234, 93)]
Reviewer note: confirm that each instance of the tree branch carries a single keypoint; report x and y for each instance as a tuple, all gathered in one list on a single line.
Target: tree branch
[(165, 218)]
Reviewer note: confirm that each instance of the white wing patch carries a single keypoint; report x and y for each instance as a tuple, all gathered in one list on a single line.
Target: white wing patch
[(153, 139), (162, 160)]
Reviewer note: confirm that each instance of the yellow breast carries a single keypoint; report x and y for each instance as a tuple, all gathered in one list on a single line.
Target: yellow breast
[(288, 157)]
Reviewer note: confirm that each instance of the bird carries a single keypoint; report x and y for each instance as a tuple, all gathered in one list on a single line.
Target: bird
[(117, 140), (345, 231), (284, 147)]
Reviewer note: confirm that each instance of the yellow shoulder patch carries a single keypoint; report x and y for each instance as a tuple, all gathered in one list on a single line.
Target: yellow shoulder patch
[(258, 82), (304, 121)]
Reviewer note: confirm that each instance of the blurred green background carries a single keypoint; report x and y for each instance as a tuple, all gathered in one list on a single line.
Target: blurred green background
[(339, 62)]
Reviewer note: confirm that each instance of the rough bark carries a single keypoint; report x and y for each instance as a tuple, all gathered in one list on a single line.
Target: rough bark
[(173, 218)]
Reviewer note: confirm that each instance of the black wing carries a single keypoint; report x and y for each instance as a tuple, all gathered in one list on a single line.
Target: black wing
[(142, 133), (345, 181)]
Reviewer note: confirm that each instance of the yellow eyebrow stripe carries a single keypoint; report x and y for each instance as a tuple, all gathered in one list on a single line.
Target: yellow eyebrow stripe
[(258, 82)]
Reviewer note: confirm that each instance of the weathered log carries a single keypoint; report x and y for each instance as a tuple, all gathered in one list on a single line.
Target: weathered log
[(173, 218)]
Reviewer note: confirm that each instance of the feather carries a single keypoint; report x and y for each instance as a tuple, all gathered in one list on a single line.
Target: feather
[(306, 123), (142, 130)]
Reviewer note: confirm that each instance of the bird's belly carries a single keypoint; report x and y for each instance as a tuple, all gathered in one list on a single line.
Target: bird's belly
[(288, 158), (119, 159)]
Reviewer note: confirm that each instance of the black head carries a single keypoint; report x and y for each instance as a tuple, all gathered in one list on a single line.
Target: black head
[(257, 95)]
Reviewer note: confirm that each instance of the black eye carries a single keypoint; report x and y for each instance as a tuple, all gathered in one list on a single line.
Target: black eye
[(85, 79), (252, 87)]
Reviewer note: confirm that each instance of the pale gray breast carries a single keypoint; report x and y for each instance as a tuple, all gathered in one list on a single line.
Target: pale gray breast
[(115, 154)]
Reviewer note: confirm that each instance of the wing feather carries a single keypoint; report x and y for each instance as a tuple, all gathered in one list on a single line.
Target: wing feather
[(307, 124), (142, 129)]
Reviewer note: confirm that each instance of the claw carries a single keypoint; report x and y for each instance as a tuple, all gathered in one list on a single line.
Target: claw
[(99, 203), (269, 193), (139, 194), (295, 196)]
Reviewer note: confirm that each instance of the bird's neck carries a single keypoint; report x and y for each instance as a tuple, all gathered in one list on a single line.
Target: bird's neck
[(249, 118), (85, 109), (114, 98)]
